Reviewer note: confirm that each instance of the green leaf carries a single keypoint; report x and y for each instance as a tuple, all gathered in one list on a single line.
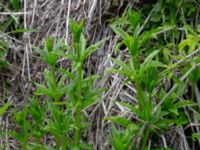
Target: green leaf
[(51, 58), (3, 54), (20, 117), (16, 4), (166, 54), (36, 111), (121, 64), (121, 140), (49, 44), (70, 55), (150, 57), (76, 30), (194, 76), (61, 82), (147, 35), (75, 66), (182, 120), (82, 44), (191, 42), (184, 103), (134, 18), (190, 29), (3, 63), (38, 50), (21, 31), (41, 90), (15, 135), (91, 49), (196, 135), (4, 108), (120, 32), (132, 108), (91, 96), (121, 121), (131, 42), (122, 72), (121, 21), (174, 110), (60, 53)]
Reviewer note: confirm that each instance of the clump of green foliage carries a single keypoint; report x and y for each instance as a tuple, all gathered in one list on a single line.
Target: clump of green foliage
[(66, 93), (159, 108)]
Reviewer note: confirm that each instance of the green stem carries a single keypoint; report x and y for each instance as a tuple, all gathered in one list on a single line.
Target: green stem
[(54, 81), (136, 62), (65, 143), (24, 146), (78, 109), (146, 135), (37, 138), (139, 96), (57, 143)]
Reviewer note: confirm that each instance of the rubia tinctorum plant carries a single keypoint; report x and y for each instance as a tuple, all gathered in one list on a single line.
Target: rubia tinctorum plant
[(156, 109), (84, 95), (65, 93), (79, 90)]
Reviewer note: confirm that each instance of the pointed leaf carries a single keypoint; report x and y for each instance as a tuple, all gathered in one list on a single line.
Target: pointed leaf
[(4, 108), (150, 57), (121, 121), (91, 49)]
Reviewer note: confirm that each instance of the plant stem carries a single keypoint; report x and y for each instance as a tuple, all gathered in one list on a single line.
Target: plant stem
[(78, 108), (65, 143), (146, 135), (57, 143), (24, 146), (139, 95), (193, 91), (136, 62), (54, 81)]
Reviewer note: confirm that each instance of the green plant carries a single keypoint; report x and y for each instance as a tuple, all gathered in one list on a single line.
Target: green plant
[(25, 129), (4, 108), (15, 4), (184, 9), (83, 98), (157, 110), (38, 116), (122, 140), (68, 93), (59, 125), (31, 125), (79, 99)]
